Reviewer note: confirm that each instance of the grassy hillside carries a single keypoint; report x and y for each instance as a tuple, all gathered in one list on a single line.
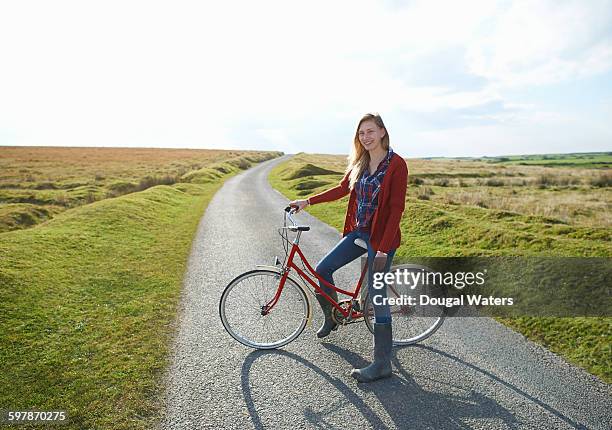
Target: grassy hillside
[(88, 298), (456, 208), (38, 182)]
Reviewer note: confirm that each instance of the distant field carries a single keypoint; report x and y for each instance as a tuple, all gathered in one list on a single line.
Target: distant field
[(464, 207), (88, 297), (569, 196), (36, 183), (600, 160)]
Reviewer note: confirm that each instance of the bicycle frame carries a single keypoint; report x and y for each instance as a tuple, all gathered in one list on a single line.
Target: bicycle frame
[(296, 318), (349, 313)]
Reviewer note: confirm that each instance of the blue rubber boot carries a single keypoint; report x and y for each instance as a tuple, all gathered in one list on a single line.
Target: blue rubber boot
[(381, 367)]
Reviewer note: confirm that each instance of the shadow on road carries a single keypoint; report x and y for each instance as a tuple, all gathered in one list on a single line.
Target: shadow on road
[(410, 406), (405, 402), (529, 397), (311, 416)]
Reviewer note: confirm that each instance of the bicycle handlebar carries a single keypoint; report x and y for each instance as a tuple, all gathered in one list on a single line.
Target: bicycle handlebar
[(295, 227)]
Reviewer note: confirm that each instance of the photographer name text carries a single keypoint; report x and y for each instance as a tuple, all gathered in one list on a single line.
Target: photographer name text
[(425, 300)]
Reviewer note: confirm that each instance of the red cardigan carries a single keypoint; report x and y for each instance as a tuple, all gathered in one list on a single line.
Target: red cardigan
[(384, 229)]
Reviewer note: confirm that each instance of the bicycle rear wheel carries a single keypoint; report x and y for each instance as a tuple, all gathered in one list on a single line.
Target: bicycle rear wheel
[(411, 323), (240, 309)]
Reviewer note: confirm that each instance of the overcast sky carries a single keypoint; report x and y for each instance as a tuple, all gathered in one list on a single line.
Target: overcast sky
[(454, 78)]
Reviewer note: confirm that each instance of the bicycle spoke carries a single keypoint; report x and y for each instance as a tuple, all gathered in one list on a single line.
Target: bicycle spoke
[(241, 310)]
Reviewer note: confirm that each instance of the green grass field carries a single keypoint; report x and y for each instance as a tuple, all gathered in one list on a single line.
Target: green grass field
[(36, 183), (583, 160), (437, 222), (88, 300)]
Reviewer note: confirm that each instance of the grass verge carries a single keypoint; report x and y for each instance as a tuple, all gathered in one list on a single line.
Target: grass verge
[(87, 302)]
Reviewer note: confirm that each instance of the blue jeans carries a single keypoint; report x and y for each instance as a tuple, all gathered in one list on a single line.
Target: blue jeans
[(345, 252)]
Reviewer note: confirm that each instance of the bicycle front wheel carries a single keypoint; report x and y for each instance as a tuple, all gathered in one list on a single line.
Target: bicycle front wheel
[(242, 302)]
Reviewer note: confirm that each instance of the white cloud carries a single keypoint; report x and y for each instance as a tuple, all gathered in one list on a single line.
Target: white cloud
[(269, 73), (543, 42), (542, 134)]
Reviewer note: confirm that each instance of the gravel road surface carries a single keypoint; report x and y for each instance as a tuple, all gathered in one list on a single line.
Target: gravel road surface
[(473, 373)]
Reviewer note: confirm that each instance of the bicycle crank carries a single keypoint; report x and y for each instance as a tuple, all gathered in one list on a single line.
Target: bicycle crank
[(339, 317)]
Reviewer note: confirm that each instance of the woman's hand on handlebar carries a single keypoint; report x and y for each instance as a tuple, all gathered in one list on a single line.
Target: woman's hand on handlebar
[(299, 204)]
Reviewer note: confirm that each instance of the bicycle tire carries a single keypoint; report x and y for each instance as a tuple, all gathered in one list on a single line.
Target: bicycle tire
[(408, 327), (240, 310)]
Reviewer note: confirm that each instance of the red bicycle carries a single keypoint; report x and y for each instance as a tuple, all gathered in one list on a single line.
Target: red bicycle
[(266, 308)]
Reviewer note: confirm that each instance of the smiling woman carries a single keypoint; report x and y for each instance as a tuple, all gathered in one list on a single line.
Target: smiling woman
[(376, 179)]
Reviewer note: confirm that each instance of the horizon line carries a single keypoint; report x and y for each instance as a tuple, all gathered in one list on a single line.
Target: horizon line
[(286, 153)]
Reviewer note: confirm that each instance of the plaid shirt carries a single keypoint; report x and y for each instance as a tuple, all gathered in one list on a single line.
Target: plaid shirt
[(367, 188)]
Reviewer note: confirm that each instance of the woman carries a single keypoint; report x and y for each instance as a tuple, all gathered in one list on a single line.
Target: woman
[(376, 179)]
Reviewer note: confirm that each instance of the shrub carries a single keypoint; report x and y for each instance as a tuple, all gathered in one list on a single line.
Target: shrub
[(415, 180), (494, 182), (311, 170), (222, 169), (90, 197), (544, 180), (424, 193), (240, 163), (548, 179), (602, 180), (151, 181), (121, 187), (202, 176), (46, 186)]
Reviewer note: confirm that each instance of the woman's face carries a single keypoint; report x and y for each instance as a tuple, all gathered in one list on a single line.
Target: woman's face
[(370, 135)]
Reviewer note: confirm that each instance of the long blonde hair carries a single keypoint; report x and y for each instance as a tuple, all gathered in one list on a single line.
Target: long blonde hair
[(359, 158)]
